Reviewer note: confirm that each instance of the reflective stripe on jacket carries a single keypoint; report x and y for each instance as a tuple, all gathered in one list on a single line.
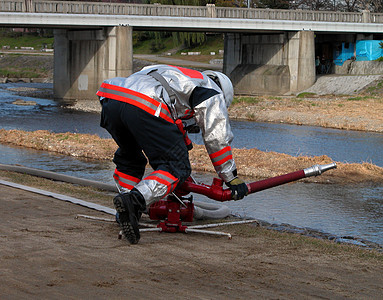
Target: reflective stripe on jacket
[(154, 107)]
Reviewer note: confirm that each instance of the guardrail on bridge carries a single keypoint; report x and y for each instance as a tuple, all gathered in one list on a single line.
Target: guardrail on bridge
[(208, 11)]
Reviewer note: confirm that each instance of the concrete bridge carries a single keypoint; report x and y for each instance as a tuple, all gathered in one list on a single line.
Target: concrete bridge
[(266, 51)]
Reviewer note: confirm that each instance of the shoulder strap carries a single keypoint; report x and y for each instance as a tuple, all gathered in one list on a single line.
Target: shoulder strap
[(165, 84)]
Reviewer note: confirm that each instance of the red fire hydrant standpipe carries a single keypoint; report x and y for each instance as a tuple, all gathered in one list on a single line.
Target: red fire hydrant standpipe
[(176, 208)]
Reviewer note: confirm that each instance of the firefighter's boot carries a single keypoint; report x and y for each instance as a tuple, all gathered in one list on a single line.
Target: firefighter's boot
[(129, 207)]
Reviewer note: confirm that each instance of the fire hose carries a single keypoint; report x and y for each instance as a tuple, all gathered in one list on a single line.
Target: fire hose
[(216, 191), (201, 210)]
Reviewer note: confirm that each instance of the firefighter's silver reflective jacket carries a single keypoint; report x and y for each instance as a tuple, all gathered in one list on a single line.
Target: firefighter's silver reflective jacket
[(211, 114)]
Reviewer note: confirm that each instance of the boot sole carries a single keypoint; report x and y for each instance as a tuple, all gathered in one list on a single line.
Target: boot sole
[(125, 223)]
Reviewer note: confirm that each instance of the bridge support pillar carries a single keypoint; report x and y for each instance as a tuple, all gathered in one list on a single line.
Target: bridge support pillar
[(83, 59), (301, 60), (270, 63)]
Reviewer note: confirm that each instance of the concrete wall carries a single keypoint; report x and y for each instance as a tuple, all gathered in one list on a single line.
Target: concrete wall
[(83, 59), (245, 53), (261, 80), (350, 67), (260, 49)]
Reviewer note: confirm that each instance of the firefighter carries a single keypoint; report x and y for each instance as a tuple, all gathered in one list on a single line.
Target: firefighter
[(142, 111)]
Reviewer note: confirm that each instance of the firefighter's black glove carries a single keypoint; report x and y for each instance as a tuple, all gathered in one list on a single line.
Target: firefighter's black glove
[(238, 188)]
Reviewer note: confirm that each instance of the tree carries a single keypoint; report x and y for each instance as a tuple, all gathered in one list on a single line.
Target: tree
[(352, 5), (373, 5), (274, 4), (314, 4), (179, 38)]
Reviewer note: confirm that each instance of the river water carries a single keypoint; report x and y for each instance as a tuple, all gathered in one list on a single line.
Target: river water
[(342, 210)]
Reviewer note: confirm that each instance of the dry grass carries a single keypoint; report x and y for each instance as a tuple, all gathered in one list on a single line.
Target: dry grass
[(250, 162), (341, 112)]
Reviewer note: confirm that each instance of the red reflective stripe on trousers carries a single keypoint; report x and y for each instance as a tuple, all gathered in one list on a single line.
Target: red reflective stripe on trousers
[(169, 181), (125, 180), (162, 181), (167, 174), (125, 185), (220, 152), (222, 161), (126, 176)]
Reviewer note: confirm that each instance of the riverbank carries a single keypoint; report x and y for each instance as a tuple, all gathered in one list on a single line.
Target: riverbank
[(69, 257), (362, 112), (251, 163)]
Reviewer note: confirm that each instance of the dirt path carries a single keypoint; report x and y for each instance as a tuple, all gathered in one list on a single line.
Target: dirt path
[(47, 253)]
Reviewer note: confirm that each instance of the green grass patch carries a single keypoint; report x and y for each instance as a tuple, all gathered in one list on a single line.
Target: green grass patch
[(63, 137), (358, 98), (306, 95), (297, 100), (246, 99), (26, 41), (145, 45), (213, 43), (376, 88), (149, 46), (274, 98), (18, 74)]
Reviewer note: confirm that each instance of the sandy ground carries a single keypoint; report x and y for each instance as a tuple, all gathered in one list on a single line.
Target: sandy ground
[(47, 253)]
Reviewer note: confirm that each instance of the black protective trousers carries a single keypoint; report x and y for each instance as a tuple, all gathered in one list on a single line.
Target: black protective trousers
[(142, 137)]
